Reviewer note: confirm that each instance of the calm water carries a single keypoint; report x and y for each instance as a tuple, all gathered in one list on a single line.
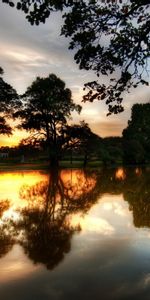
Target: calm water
[(75, 235)]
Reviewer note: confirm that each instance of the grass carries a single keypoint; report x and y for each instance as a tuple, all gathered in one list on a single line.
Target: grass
[(14, 167), (38, 165)]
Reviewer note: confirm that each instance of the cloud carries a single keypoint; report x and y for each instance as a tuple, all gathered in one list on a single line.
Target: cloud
[(29, 51), (97, 225), (108, 128)]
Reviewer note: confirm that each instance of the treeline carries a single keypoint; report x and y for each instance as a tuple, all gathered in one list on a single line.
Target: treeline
[(44, 111)]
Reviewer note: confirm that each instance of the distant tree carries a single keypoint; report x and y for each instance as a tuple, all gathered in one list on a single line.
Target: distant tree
[(83, 140), (108, 36), (137, 134), (47, 105), (133, 152), (111, 150), (9, 102)]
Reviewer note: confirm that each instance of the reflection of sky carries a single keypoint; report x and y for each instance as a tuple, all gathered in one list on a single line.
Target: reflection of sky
[(28, 51), (115, 268), (110, 217), (74, 180), (109, 258), (16, 265), (10, 184)]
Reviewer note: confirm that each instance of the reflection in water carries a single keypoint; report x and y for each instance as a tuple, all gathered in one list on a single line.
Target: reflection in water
[(138, 171), (6, 237), (43, 227), (120, 174), (50, 208), (137, 193), (47, 202), (4, 205)]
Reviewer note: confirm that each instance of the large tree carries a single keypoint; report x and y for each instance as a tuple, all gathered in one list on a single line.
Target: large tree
[(47, 105), (9, 102), (110, 37), (137, 135)]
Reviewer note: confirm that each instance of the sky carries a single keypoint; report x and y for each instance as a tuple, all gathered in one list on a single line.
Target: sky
[(29, 51)]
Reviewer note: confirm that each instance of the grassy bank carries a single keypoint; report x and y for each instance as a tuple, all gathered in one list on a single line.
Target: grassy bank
[(44, 165), (62, 164)]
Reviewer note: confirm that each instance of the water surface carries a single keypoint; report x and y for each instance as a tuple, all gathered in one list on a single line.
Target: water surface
[(75, 234)]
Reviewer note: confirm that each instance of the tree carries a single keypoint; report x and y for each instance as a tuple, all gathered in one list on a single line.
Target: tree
[(9, 102), (137, 135), (109, 36), (112, 151), (83, 140), (133, 152), (47, 105)]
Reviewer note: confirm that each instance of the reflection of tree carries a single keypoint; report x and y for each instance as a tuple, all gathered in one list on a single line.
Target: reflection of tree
[(109, 183), (45, 225), (43, 240), (4, 205), (134, 184), (6, 237), (137, 193)]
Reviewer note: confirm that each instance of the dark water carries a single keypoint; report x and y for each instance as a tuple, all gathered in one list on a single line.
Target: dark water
[(75, 235)]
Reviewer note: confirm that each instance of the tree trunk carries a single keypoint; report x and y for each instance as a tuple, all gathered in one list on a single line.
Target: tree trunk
[(54, 161)]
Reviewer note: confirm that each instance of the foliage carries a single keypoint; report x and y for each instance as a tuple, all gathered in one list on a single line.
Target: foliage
[(4, 127), (137, 134), (83, 140), (9, 102), (133, 152), (47, 105), (112, 150), (108, 36)]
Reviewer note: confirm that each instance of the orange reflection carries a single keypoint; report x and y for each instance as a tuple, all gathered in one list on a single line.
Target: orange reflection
[(77, 182), (120, 174), (138, 171), (10, 184)]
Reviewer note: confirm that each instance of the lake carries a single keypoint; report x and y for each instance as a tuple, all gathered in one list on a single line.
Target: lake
[(75, 234)]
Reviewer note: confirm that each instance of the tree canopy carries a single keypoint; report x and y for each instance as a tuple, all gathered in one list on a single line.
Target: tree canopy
[(137, 134), (47, 105), (83, 140), (109, 37), (9, 102)]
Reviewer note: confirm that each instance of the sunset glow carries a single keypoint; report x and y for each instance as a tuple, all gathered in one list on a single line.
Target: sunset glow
[(23, 58), (74, 182), (13, 140), (14, 181), (74, 150)]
